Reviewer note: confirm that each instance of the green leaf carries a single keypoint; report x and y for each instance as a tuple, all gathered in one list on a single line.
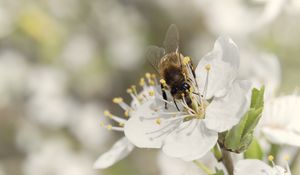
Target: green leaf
[(254, 151), (219, 172), (240, 136)]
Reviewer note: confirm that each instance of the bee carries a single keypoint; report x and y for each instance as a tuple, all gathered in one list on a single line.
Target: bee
[(168, 62)]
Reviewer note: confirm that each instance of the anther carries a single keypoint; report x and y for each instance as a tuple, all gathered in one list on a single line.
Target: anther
[(153, 76), (109, 127), (107, 114), (286, 157), (121, 124), (158, 121), (129, 91), (102, 124), (208, 67), (151, 92), (126, 113), (186, 60), (270, 158), (118, 100), (148, 75), (151, 83)]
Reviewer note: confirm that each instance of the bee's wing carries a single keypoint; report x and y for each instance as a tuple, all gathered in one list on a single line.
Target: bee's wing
[(171, 42), (154, 55)]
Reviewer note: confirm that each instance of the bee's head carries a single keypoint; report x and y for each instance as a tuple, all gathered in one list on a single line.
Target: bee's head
[(183, 88)]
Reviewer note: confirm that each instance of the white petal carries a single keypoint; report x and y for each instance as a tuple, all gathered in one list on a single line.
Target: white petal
[(175, 166), (190, 145), (119, 151), (225, 112), (224, 61), (281, 136), (251, 167), (136, 128)]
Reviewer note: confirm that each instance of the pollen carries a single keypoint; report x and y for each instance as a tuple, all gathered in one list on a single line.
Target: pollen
[(102, 124), (129, 91), (286, 157), (142, 82), (270, 158), (163, 82), (186, 60), (109, 127), (121, 124), (148, 75), (151, 92), (207, 67), (153, 76), (158, 121), (107, 114), (126, 113), (118, 100), (151, 83)]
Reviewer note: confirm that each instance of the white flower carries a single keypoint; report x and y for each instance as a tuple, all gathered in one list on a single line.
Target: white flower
[(85, 127), (218, 103), (281, 120), (261, 69), (257, 167), (56, 157), (13, 76), (240, 18)]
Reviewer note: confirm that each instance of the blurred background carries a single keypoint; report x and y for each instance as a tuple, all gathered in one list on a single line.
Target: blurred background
[(62, 61)]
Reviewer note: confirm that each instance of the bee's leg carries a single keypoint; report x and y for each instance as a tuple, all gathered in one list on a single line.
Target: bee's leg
[(175, 104), (164, 94), (193, 71)]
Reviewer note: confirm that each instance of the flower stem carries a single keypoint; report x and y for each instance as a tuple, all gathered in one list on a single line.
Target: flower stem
[(294, 163), (203, 167), (227, 161), (217, 152)]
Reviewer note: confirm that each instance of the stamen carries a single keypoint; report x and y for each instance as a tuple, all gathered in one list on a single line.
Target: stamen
[(133, 87), (271, 159), (114, 128), (110, 127), (207, 68), (113, 117), (120, 102)]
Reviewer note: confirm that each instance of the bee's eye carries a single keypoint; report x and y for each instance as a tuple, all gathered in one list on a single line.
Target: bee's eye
[(186, 86)]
